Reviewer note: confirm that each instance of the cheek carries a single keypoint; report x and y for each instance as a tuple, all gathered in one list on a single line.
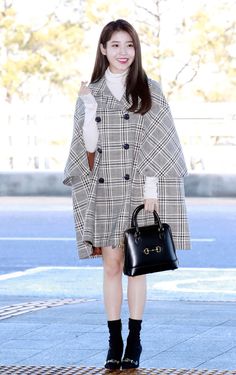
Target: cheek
[(110, 55), (132, 54)]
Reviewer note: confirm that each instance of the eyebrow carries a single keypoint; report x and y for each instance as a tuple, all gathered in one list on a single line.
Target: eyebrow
[(117, 41)]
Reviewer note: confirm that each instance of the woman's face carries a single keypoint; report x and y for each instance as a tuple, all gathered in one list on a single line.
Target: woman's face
[(119, 51)]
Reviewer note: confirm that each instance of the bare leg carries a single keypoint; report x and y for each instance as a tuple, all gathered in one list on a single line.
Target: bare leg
[(112, 290), (112, 281), (136, 296)]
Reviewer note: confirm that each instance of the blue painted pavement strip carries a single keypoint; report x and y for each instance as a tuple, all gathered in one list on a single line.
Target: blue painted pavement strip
[(189, 284)]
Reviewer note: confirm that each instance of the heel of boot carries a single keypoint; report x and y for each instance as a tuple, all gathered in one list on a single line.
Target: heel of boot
[(131, 357)]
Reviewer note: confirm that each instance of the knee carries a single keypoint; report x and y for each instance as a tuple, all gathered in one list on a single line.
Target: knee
[(113, 268)]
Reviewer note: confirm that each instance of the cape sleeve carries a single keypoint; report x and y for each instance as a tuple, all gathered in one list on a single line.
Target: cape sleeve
[(77, 163), (160, 153)]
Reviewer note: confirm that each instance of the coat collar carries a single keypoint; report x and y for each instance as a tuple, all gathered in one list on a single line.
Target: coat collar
[(101, 92)]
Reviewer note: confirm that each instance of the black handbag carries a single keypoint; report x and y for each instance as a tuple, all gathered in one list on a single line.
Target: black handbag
[(150, 248)]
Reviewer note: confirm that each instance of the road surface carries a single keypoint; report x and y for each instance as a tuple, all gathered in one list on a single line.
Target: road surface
[(39, 231)]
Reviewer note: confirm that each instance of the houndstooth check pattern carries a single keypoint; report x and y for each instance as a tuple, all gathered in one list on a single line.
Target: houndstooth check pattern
[(103, 208)]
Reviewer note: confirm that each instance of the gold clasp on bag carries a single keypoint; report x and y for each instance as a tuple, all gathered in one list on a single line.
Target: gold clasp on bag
[(157, 249)]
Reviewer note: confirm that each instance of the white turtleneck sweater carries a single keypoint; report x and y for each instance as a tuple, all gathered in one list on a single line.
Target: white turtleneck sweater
[(116, 84)]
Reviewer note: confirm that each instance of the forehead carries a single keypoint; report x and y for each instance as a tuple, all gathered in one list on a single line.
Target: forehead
[(120, 36)]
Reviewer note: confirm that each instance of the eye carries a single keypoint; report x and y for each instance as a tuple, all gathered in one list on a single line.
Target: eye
[(115, 45), (130, 45)]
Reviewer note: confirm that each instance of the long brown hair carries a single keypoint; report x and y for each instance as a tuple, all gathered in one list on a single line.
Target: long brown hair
[(136, 81)]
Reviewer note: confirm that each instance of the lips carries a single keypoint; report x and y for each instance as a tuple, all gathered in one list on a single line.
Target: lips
[(123, 60)]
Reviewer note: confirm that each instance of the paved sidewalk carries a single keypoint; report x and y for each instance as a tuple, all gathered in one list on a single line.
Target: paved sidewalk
[(176, 334), (55, 317)]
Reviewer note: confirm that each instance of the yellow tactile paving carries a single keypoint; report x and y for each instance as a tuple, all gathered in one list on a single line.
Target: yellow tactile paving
[(53, 370)]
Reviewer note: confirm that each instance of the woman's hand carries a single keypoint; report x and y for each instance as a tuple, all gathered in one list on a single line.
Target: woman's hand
[(84, 89), (151, 204)]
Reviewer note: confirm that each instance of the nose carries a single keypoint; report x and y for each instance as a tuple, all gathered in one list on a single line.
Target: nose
[(123, 50)]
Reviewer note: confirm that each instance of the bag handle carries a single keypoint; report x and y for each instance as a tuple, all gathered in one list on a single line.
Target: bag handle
[(134, 222)]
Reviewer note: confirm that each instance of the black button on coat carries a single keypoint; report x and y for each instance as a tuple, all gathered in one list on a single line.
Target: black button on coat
[(126, 146)]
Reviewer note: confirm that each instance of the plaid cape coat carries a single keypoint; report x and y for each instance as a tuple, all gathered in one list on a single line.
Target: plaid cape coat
[(130, 147)]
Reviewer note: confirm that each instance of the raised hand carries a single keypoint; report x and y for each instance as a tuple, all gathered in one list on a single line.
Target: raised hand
[(84, 89)]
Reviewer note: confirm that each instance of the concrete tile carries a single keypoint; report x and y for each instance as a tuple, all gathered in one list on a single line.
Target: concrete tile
[(29, 344), (206, 321), (226, 360), (65, 314), (164, 344), (223, 333), (96, 360), (103, 328), (172, 360), (49, 333), (173, 329), (77, 328), (91, 318), (13, 356), (46, 317), (202, 347), (91, 362), (56, 357), (230, 323), (150, 352), (10, 330), (74, 330), (93, 341)]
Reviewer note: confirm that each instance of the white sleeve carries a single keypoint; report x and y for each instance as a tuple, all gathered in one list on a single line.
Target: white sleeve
[(151, 187), (90, 130)]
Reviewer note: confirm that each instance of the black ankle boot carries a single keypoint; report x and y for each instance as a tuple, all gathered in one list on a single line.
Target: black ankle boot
[(133, 348), (115, 351)]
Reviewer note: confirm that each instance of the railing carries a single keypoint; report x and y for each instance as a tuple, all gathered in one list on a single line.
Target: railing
[(41, 142), (209, 143), (35, 142)]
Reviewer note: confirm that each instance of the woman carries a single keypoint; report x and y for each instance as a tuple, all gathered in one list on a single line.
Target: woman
[(125, 151)]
